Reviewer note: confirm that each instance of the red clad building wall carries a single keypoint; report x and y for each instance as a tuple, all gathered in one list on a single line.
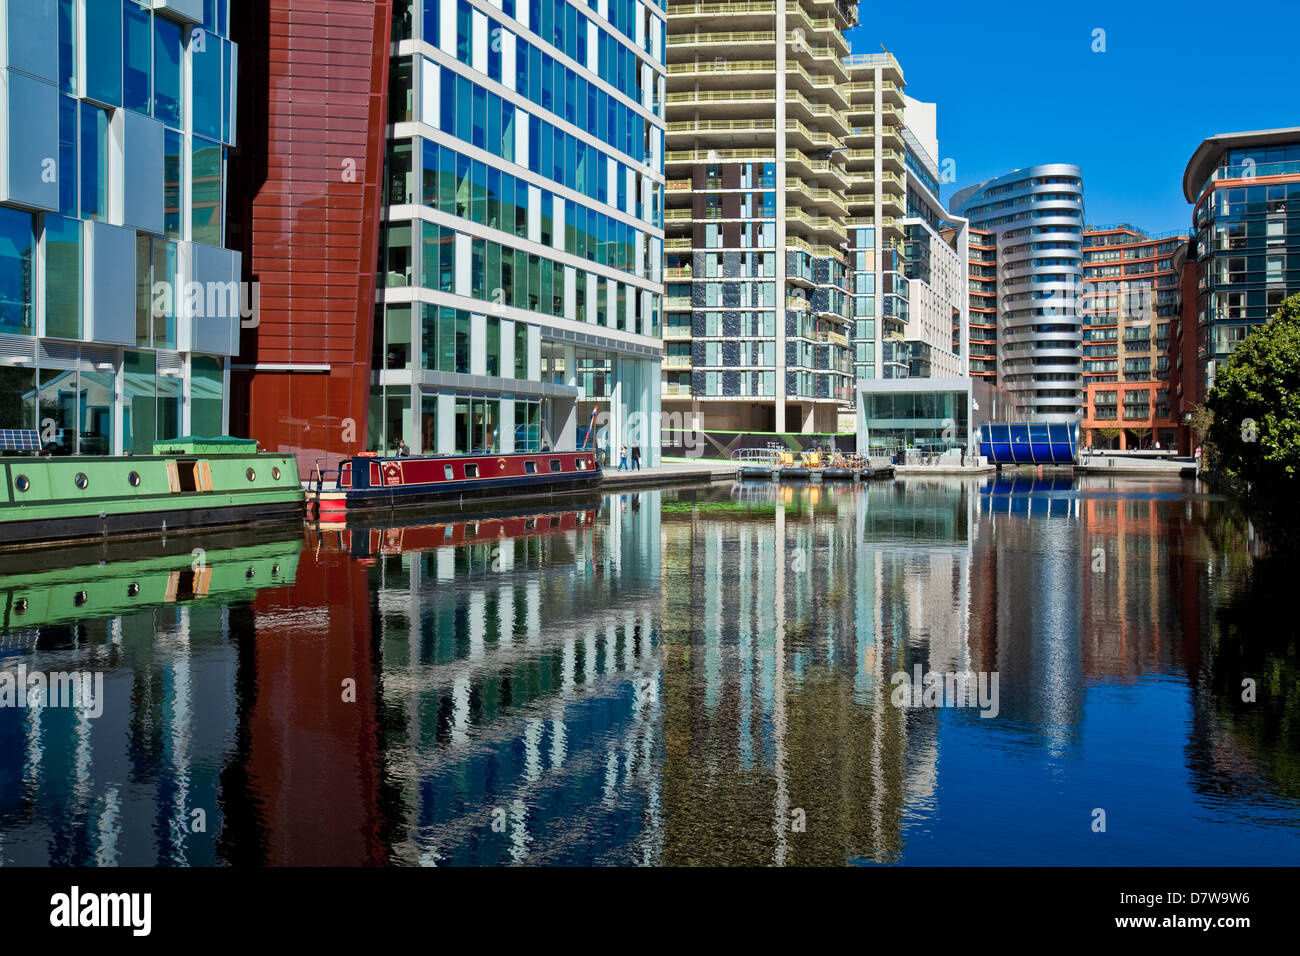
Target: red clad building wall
[(305, 194)]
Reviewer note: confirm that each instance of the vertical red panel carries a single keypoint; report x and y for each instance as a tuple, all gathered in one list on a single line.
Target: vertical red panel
[(305, 198)]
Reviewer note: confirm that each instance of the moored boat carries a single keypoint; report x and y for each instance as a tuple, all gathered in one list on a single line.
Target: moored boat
[(367, 483), (186, 485)]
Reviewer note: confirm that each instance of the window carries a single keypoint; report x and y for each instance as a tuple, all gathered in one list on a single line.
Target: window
[(16, 243), (399, 254), (206, 396), (139, 413), (206, 79), (471, 471), (205, 189), (139, 59), (68, 136), (493, 350), (530, 467), (104, 55), (68, 46), (172, 145), (555, 465), (521, 350), (94, 162), (63, 279)]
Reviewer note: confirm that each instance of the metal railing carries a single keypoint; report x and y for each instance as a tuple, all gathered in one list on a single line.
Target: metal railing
[(759, 456)]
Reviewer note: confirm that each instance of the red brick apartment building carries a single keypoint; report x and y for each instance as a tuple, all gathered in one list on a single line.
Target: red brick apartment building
[(1131, 298)]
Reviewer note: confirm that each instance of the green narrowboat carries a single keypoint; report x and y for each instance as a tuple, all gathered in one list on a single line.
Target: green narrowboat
[(187, 484)]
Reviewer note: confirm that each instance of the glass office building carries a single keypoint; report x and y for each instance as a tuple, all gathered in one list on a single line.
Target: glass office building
[(119, 305), (930, 415), (520, 278), (1245, 188)]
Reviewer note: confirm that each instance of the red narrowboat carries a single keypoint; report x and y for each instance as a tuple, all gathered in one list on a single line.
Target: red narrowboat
[(366, 483)]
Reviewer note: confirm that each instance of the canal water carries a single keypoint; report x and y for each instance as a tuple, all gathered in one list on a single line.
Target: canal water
[(735, 674)]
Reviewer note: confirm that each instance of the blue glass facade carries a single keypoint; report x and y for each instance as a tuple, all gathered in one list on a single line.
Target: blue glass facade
[(113, 208), (524, 198), (1247, 240)]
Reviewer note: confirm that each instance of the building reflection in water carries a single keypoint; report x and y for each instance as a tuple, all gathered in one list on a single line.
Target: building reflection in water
[(786, 613), (518, 664), (688, 677), (160, 624)]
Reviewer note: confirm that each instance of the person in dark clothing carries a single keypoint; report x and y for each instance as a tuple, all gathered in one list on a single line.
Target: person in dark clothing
[(636, 456)]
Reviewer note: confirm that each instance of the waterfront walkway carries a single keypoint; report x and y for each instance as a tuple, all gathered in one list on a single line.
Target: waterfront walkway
[(922, 471), (1132, 465), (671, 472)]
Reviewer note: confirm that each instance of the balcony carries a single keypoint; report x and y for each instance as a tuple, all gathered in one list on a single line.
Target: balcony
[(756, 153)]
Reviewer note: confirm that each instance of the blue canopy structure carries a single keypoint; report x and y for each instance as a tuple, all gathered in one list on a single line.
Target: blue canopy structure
[(1029, 443)]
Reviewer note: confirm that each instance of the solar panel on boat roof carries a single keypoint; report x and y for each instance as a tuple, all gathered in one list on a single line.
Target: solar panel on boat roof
[(19, 439)]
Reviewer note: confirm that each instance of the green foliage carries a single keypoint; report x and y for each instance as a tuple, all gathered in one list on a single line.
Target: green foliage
[(1200, 420), (1256, 417), (1107, 437)]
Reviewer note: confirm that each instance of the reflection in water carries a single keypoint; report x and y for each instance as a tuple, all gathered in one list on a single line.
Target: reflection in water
[(691, 677)]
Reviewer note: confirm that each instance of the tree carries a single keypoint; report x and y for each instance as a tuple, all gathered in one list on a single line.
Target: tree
[(1141, 433), (1108, 435), (1256, 406), (1200, 418)]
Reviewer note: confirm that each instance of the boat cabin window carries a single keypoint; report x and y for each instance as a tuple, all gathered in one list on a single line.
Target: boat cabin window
[(556, 521), (555, 464), (471, 471), (581, 463), (530, 468), (188, 473), (447, 472), (531, 523)]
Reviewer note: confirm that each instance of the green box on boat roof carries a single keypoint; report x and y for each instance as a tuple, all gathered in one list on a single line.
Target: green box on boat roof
[(194, 445)]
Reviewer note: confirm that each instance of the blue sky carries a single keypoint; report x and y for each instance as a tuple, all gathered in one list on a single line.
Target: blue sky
[(1017, 83)]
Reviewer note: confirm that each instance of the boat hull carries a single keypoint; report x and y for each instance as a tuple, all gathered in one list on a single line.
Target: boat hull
[(58, 501), (447, 482)]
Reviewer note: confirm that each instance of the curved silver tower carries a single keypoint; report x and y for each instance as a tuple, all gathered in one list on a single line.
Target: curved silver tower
[(1037, 215)]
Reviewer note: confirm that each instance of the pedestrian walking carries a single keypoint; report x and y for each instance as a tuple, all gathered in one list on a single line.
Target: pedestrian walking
[(622, 458), (636, 457)]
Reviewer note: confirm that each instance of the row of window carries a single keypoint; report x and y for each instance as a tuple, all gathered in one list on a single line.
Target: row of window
[(444, 341), (132, 59), (512, 277), (485, 120), (156, 262), (73, 409), (84, 184), (1274, 199), (472, 190)]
